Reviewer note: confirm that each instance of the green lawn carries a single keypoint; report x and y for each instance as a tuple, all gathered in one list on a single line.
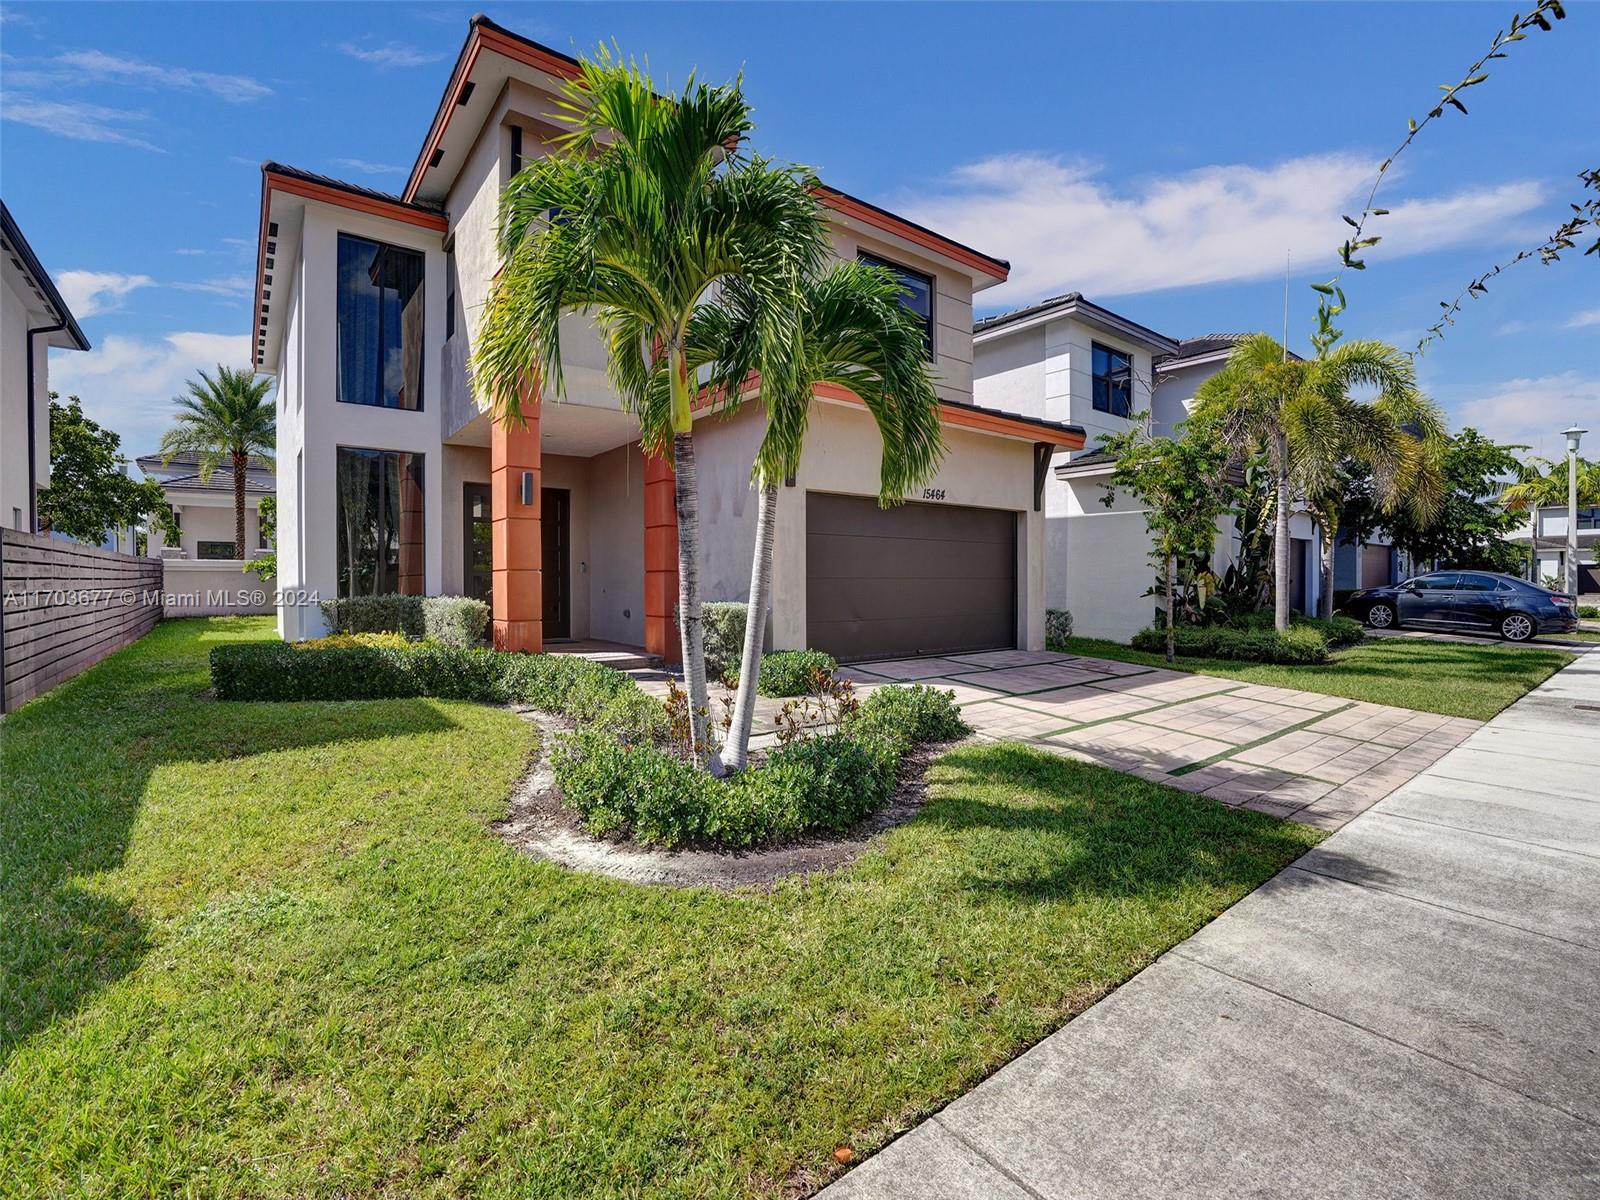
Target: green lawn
[(273, 950), (1454, 678)]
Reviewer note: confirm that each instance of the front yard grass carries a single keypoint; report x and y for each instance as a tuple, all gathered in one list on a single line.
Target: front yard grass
[(1454, 678), (275, 950)]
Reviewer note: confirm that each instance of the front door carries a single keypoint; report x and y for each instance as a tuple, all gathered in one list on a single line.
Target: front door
[(556, 531), (477, 546)]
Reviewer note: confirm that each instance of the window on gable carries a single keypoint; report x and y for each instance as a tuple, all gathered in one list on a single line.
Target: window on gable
[(917, 295), (380, 324), (1113, 381)]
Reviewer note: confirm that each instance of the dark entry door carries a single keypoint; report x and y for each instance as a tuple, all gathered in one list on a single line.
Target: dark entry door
[(555, 563), (917, 579), (478, 568)]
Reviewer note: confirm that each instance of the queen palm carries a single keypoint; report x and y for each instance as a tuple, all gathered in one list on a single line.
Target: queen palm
[(645, 206), (855, 335), (1542, 483), (1301, 415), (227, 417)]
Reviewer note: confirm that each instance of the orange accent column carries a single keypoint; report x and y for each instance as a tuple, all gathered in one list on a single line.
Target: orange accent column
[(660, 560), (412, 516), (515, 532)]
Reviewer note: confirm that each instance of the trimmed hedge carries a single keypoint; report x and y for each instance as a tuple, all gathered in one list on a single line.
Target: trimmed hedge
[(375, 614), (1589, 611), (1300, 645), (724, 622), (829, 782), (788, 672), (455, 621)]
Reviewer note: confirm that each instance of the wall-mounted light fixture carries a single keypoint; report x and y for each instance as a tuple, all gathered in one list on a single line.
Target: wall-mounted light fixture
[(527, 488)]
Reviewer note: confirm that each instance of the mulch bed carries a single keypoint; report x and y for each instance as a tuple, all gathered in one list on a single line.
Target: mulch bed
[(540, 826)]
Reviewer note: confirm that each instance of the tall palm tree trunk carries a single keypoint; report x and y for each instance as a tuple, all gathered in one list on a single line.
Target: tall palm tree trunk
[(755, 627), (1280, 542), (687, 497), (240, 462)]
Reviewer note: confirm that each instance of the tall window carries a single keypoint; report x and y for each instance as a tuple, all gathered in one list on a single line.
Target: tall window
[(381, 518), (1113, 381), (450, 296), (917, 295), (380, 324)]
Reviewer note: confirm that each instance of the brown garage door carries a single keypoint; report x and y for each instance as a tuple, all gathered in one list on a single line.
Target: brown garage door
[(917, 579)]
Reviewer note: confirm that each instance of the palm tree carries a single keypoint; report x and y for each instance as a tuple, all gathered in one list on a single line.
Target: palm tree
[(226, 417), (855, 335), (645, 206), (1542, 483), (1300, 414)]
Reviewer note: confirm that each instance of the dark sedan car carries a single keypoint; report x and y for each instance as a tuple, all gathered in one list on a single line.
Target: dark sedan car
[(1472, 601)]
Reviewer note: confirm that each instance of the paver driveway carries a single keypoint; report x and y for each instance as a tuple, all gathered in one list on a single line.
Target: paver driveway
[(1316, 759)]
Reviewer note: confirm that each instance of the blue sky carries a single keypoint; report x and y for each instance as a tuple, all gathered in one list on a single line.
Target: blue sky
[(1161, 158)]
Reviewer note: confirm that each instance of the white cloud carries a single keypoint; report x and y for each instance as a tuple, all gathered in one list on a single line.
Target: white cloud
[(189, 252), (392, 54), (364, 167), (1584, 319), (90, 292), (97, 66), (1531, 411), (128, 383), (230, 285), (70, 119), (1064, 226)]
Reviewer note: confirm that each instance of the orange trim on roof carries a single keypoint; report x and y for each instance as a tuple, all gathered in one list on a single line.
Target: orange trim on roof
[(551, 63), (977, 419), (272, 181)]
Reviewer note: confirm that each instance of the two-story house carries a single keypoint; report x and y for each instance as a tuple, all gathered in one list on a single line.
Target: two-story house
[(390, 479), (33, 317), (203, 508), (1544, 531), (1074, 361)]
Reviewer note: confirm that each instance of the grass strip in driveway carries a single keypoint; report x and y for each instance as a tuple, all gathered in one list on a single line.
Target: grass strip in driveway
[(1451, 678), (274, 950)]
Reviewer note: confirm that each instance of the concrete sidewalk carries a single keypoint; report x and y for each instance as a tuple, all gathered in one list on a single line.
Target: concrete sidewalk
[(1410, 1010)]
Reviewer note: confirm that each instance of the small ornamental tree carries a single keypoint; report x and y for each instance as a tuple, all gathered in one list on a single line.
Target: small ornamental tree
[(89, 492), (1468, 527), (1182, 482)]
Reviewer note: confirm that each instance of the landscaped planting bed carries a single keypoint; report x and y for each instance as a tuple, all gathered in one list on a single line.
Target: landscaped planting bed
[(277, 950), (626, 769)]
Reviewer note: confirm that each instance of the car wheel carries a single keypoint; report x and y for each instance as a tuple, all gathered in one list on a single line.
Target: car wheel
[(1381, 616), (1516, 627)]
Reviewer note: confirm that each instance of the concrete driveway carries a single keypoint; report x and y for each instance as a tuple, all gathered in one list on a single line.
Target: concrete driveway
[(1410, 1010), (1316, 759)]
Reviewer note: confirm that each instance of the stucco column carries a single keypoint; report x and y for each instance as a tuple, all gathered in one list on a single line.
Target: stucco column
[(660, 559), (410, 582), (515, 535)]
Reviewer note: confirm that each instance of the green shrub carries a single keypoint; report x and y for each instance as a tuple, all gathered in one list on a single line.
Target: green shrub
[(638, 790), (910, 715), (724, 634), (1589, 611), (842, 779), (375, 614), (455, 621), (789, 672), (278, 671), (634, 718), (393, 641), (1057, 626), (1299, 645), (1337, 631)]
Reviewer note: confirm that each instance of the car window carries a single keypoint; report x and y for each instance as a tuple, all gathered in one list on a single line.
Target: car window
[(1435, 583), (1505, 585), (1477, 583)]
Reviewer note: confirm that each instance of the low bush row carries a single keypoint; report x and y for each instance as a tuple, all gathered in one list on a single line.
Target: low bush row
[(793, 672), (1298, 645), (822, 783), (458, 621)]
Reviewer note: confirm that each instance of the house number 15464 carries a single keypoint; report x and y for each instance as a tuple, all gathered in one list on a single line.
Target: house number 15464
[(933, 493)]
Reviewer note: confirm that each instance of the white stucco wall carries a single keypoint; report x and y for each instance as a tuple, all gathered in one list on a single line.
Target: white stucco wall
[(616, 546), (311, 433), (208, 517), (14, 325)]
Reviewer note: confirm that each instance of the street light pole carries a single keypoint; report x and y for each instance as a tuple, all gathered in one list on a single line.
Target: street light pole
[(1573, 435)]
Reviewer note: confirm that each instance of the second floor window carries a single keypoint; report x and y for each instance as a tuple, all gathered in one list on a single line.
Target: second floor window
[(1113, 381), (380, 324), (917, 295)]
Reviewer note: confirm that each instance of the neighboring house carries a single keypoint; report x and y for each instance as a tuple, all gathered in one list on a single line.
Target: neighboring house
[(33, 317), (1071, 360), (390, 479), (1547, 529), (204, 507)]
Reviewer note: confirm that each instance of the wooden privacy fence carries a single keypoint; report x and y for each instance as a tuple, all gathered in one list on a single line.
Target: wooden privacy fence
[(65, 608)]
